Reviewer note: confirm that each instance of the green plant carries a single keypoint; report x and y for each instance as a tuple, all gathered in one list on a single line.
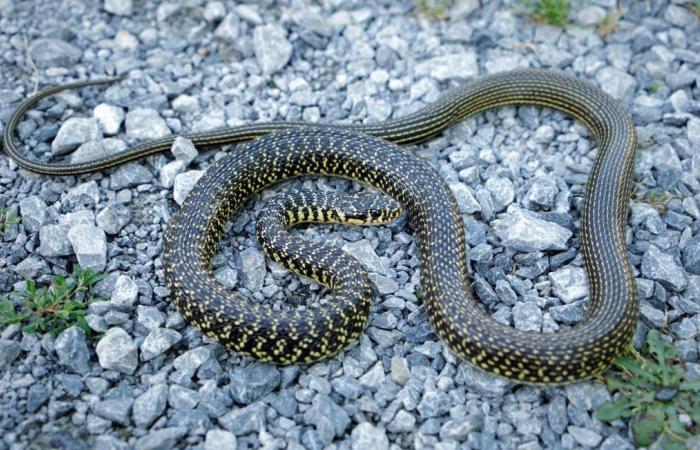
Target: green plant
[(553, 12), (8, 217), (53, 308), (654, 198), (656, 85), (663, 406), (696, 9), (434, 8)]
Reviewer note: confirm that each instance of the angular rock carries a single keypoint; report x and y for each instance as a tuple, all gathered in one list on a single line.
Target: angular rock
[(244, 420), (52, 52), (620, 85), (691, 255), (117, 351), (53, 241), (116, 410), (184, 150), (73, 132), (446, 67), (249, 384), (9, 351), (72, 350), (523, 231), (162, 439), (150, 405), (113, 218), (145, 124), (662, 267), (158, 342), (527, 317), (169, 171), (83, 194), (363, 251), (219, 440), (466, 201), (272, 49), (367, 436), (110, 117), (119, 7), (569, 283), (184, 183), (128, 175), (89, 245), (125, 293)]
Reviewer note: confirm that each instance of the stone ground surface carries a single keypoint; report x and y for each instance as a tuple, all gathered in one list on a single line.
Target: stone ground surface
[(151, 382)]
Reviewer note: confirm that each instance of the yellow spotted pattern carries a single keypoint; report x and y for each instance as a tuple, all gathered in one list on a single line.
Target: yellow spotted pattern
[(285, 150)]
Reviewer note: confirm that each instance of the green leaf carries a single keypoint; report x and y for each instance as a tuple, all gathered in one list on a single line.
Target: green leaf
[(689, 386), (612, 410), (647, 428)]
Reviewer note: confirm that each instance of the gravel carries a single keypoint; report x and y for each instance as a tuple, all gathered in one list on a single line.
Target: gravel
[(144, 379)]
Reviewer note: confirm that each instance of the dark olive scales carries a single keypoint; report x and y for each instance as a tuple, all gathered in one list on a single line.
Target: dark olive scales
[(288, 150)]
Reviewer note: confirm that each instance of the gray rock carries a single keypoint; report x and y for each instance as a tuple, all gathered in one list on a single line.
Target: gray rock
[(150, 405), (254, 268), (244, 420), (110, 117), (693, 131), (620, 85), (83, 194), (459, 429), (149, 316), (37, 395), (691, 255), (399, 370), (616, 442), (521, 230), (184, 150), (125, 293), (9, 351), (569, 283), (72, 350), (169, 171), (227, 276), (73, 132), (128, 175), (584, 436), (184, 183), (653, 315), (89, 245), (116, 410), (570, 314), (119, 7), (113, 218), (329, 419), (249, 384), (403, 422), (158, 341), (363, 251), (502, 192), (94, 150), (219, 440), (527, 317), (384, 285), (82, 217), (446, 67), (466, 201), (145, 124), (117, 351), (229, 28), (367, 436), (482, 382), (542, 192), (186, 104), (108, 442), (182, 398), (162, 439), (557, 415), (272, 49), (52, 52), (662, 267), (591, 15), (434, 403), (53, 241), (32, 209), (374, 377), (192, 359), (347, 386)]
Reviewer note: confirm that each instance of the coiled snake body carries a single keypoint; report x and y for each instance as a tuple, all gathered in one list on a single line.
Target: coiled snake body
[(284, 150)]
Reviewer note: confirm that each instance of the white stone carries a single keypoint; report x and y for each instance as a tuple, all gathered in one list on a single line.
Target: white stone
[(110, 117), (184, 183)]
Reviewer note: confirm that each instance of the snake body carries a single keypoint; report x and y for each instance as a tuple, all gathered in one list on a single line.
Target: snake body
[(284, 150)]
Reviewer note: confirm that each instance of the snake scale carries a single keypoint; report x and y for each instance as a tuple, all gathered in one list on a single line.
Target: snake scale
[(369, 154)]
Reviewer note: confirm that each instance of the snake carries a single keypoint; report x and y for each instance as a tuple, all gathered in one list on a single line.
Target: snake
[(372, 154)]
